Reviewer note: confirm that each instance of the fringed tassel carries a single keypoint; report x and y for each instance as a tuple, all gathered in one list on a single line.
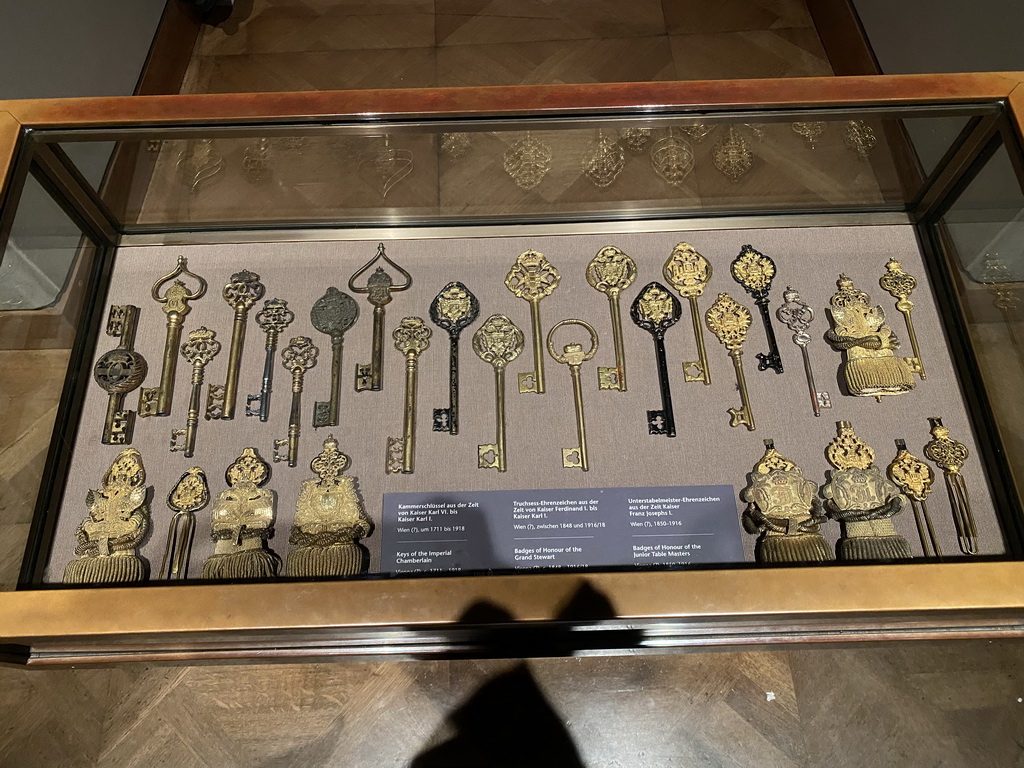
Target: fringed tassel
[(105, 570), (247, 564), (808, 548), (333, 560), (874, 548)]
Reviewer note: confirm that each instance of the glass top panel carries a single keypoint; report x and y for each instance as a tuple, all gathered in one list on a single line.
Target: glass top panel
[(536, 169)]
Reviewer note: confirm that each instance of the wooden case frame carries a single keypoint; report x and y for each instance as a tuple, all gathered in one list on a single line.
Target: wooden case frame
[(518, 615)]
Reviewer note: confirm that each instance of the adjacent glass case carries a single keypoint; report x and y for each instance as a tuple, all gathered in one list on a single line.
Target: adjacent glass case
[(511, 370)]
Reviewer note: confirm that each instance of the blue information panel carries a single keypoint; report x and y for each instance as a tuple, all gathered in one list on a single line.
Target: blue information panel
[(481, 530)]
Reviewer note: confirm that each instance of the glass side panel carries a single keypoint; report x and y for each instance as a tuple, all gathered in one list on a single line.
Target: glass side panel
[(43, 288), (984, 231), (482, 171)]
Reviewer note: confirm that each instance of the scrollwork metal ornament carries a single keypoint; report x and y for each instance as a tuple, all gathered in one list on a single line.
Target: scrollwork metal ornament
[(732, 155), (783, 506), (243, 523), (900, 284), (527, 161), (914, 478), (672, 158), (117, 522), (950, 455), (635, 139), (810, 131), (689, 273), (860, 137), (453, 309), (755, 272), (729, 321), (533, 278), (497, 342), (797, 315), (603, 161), (330, 520), (611, 271), (864, 502)]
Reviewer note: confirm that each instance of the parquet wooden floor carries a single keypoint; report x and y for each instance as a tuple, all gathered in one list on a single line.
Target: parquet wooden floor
[(915, 704)]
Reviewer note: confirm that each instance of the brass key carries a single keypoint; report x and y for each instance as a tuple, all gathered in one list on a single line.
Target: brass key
[(273, 318), (755, 272), (119, 372), (156, 401), (532, 278), (900, 284), (574, 356), (914, 478), (333, 313), (453, 309), (202, 346), (378, 289), (797, 316), (412, 336), (498, 342), (689, 272), (656, 310), (729, 321), (188, 496), (298, 357), (611, 272), (244, 290)]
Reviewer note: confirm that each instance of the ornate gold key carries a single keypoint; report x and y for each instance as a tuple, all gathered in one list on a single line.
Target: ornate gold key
[(656, 310), (689, 272), (329, 521), (243, 522), (273, 318), (298, 357), (573, 355), (116, 524), (378, 289), (864, 502), (755, 272), (899, 284), (202, 346), (914, 478), (452, 310), (333, 313), (797, 316), (119, 372), (156, 401), (612, 271), (871, 368), (532, 278), (498, 342), (950, 455), (412, 337), (244, 290), (782, 505), (729, 321), (188, 496)]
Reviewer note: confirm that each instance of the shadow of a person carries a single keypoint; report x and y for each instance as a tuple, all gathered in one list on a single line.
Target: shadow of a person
[(508, 721)]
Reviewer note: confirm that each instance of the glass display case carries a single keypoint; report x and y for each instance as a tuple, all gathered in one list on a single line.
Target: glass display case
[(530, 370)]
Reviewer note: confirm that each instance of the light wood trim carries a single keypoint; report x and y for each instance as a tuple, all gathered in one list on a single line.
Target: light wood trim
[(755, 593), (532, 100)]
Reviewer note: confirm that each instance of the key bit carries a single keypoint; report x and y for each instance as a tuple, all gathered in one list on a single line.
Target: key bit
[(656, 310), (333, 313), (156, 401), (796, 315), (189, 495), (729, 321), (612, 271), (273, 318), (755, 272), (202, 346), (298, 357), (689, 272), (950, 455), (118, 372), (914, 478), (378, 289), (412, 337), (244, 290), (532, 278), (452, 310), (572, 355), (900, 284), (498, 342)]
